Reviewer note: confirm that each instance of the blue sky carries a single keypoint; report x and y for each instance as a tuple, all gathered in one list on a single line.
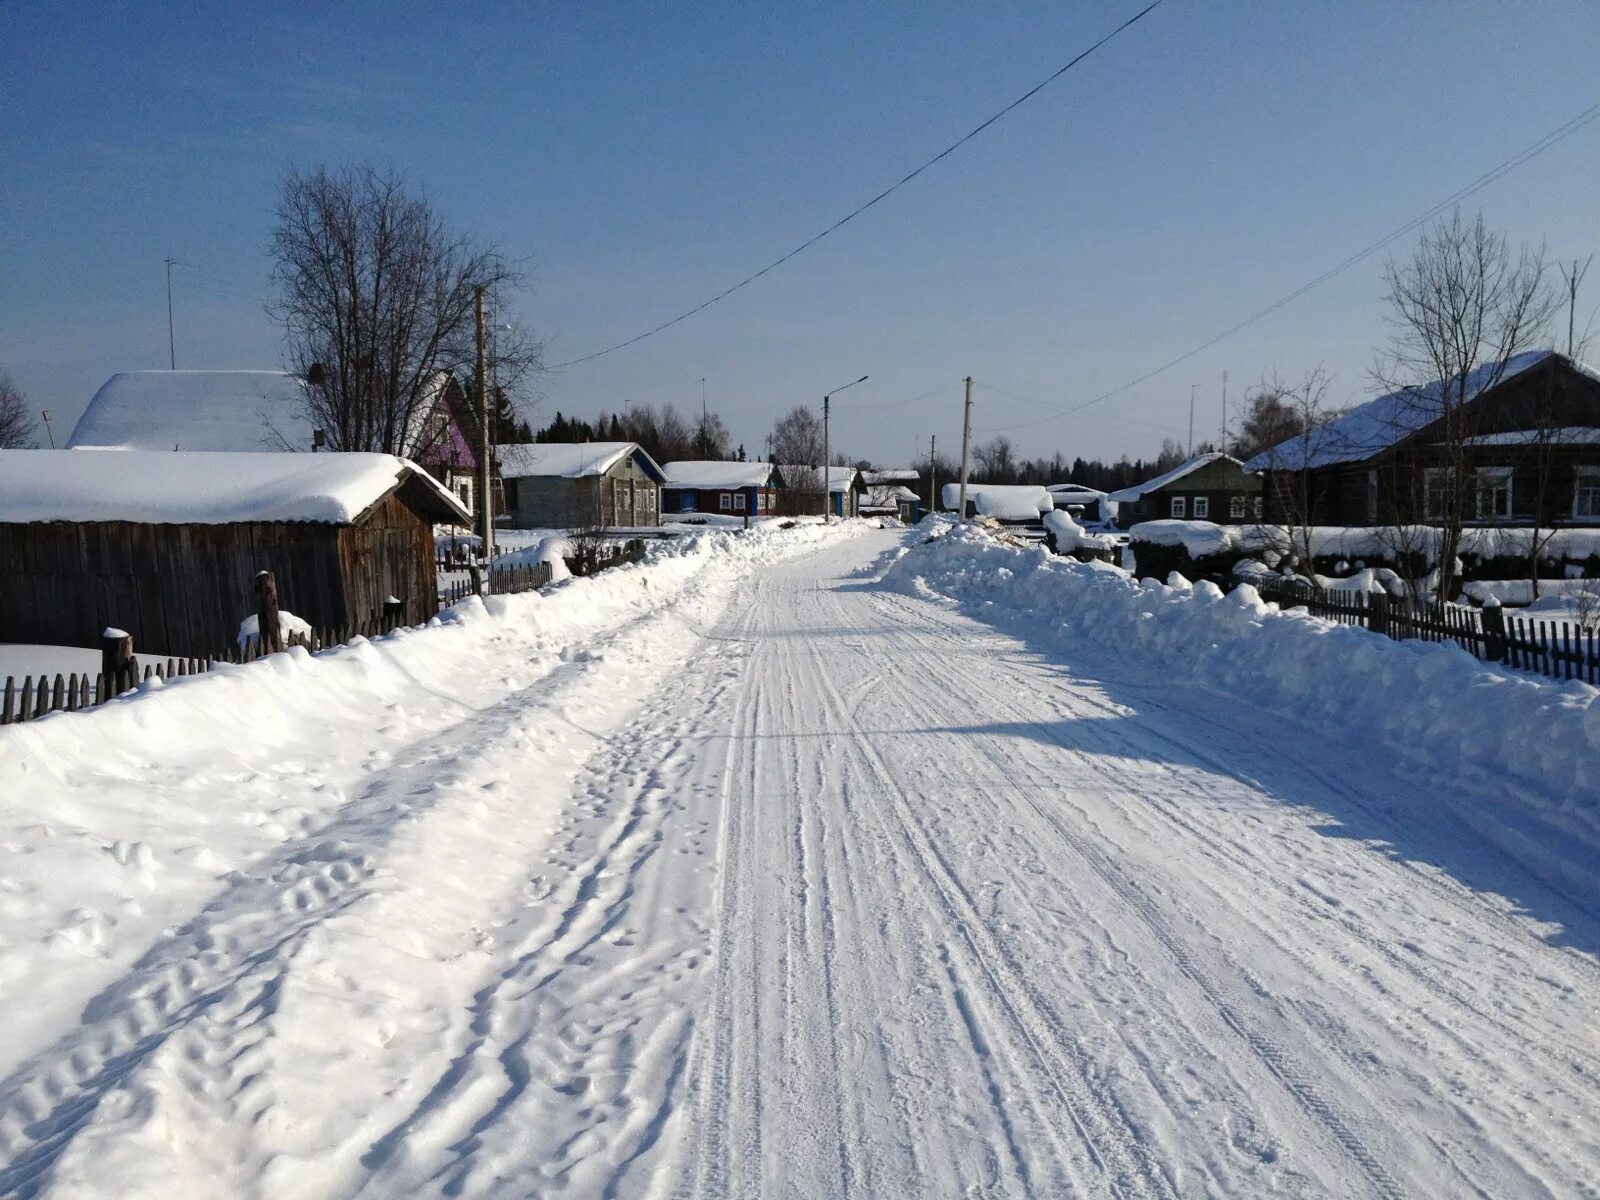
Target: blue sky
[(639, 158)]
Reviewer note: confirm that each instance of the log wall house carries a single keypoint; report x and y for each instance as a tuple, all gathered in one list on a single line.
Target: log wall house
[(167, 546), (1208, 487), (1530, 446)]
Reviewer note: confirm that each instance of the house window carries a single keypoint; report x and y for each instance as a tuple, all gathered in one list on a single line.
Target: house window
[(1372, 497), (738, 502), (464, 493), (1180, 506), (1202, 507), (1493, 493), (1586, 493), (1256, 504), (1436, 488), (725, 502), (1235, 508)]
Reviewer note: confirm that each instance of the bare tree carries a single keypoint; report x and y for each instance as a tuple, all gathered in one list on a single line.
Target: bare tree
[(1296, 493), (797, 442), (995, 461), (16, 422), (375, 297), (1267, 418), (1461, 307), (711, 438)]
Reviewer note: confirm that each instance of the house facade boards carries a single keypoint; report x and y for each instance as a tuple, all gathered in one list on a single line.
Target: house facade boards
[(1208, 487), (1526, 435), (731, 489), (579, 485), (167, 545)]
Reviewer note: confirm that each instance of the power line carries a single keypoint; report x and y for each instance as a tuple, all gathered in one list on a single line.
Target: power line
[(1558, 134), (848, 217)]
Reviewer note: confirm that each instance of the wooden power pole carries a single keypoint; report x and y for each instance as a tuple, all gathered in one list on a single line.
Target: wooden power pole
[(933, 473), (966, 442), (486, 440)]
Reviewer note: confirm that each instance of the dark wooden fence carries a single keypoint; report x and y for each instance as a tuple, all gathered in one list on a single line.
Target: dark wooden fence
[(1558, 649), (37, 696)]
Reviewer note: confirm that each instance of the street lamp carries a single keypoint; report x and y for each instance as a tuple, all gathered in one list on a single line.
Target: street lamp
[(827, 464)]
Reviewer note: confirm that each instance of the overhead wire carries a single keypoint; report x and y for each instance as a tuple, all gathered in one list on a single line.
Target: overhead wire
[(1560, 133), (888, 191)]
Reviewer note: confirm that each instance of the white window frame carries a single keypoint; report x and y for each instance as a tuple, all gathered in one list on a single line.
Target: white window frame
[(1236, 508), (1202, 508), (1257, 504), (725, 502), (1372, 497), (738, 502), (1180, 508), (1486, 483), (1585, 480)]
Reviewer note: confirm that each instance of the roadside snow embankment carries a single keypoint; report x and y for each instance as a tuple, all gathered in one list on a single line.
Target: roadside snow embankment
[(299, 783), (1429, 701)]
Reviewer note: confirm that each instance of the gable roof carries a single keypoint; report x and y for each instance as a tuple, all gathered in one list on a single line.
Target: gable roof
[(700, 473), (1073, 489), (196, 410), (570, 460), (1390, 419), (1003, 501), (1131, 495), (840, 479), (210, 487), (890, 475)]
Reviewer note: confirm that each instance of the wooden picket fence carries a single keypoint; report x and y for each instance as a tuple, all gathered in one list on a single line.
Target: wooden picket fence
[(1558, 649), (38, 696)]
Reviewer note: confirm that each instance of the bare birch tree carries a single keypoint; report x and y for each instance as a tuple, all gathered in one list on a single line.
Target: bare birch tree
[(1300, 413), (375, 297), (1461, 307), (16, 422)]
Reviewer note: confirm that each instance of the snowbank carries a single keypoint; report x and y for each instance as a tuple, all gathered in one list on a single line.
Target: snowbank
[(1071, 536), (122, 823), (1434, 702)]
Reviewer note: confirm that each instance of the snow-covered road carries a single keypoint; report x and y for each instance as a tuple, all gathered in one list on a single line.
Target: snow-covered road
[(860, 896)]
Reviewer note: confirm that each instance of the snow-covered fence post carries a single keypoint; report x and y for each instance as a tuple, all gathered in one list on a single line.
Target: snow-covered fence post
[(394, 612), (475, 573), (270, 628), (1378, 613), (1494, 632), (117, 664)]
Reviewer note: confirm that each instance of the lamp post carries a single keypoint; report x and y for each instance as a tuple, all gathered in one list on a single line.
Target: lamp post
[(827, 462)]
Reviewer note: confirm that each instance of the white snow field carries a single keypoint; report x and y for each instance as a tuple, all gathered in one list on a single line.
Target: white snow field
[(801, 863)]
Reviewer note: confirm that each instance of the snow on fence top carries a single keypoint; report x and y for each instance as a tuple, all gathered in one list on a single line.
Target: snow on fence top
[(1004, 502), (1380, 423), (196, 410), (1131, 495), (693, 473), (202, 487)]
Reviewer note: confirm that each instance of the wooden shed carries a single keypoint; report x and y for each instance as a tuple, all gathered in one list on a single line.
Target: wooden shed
[(167, 545), (579, 485)]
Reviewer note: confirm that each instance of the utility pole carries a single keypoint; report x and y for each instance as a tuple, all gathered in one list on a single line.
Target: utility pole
[(1224, 446), (172, 344), (1573, 278), (1192, 388), (966, 442), (933, 471), (704, 453), (486, 440), (827, 491)]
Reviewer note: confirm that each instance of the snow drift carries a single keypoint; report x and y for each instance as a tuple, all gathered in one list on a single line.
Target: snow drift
[(1432, 702)]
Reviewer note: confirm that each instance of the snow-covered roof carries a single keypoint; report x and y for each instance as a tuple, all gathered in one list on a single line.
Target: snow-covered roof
[(697, 473), (890, 475), (207, 487), (569, 460), (196, 410), (886, 495), (1130, 495), (1003, 501), (1381, 423), (1073, 489), (840, 479)]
